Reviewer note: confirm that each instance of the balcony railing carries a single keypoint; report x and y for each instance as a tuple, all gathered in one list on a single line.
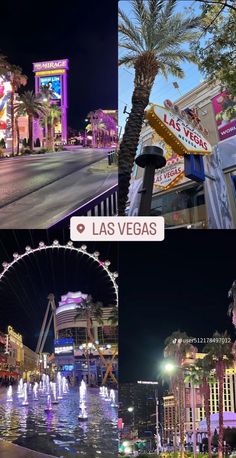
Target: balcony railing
[(105, 204)]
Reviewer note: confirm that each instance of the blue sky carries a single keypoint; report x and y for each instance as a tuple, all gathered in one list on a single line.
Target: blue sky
[(162, 88)]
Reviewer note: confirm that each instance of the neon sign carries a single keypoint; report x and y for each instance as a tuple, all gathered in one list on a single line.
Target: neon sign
[(13, 334), (177, 130), (51, 65), (60, 342)]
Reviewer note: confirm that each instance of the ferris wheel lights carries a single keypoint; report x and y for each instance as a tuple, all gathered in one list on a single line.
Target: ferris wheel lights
[(83, 249)]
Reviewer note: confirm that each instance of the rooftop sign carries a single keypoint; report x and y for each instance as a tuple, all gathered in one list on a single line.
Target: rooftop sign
[(50, 65), (177, 130)]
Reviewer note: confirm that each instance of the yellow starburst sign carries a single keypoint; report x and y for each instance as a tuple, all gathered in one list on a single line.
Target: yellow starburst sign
[(177, 131)]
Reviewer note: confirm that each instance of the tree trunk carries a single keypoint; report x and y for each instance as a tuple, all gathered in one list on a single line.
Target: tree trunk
[(194, 420), (221, 407), (181, 416), (146, 69), (17, 136), (12, 122), (31, 140), (50, 136), (206, 389), (87, 358)]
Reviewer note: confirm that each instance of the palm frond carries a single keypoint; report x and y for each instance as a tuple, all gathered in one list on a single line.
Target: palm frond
[(141, 13), (128, 60), (131, 35), (173, 68)]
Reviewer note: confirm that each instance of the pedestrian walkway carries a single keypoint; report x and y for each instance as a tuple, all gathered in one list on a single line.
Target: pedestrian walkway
[(9, 450)]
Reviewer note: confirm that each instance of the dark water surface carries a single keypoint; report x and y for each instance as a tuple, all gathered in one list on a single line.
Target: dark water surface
[(59, 432)]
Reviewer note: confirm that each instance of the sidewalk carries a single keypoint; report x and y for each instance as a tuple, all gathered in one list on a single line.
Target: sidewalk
[(9, 450)]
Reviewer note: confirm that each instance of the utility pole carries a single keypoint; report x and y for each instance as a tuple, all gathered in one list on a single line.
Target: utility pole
[(157, 422)]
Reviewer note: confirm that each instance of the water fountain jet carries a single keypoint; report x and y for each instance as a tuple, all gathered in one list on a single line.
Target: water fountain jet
[(9, 394)]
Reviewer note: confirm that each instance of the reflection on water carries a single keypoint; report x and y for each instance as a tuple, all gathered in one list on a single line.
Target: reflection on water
[(59, 432)]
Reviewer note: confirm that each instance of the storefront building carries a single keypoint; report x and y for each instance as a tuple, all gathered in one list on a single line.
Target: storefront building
[(183, 201)]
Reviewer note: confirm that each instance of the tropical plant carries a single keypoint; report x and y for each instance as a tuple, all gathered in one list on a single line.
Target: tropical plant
[(31, 105), (17, 79), (219, 351), (177, 346), (114, 317), (52, 119), (4, 65), (216, 53), (154, 42), (86, 310), (201, 375)]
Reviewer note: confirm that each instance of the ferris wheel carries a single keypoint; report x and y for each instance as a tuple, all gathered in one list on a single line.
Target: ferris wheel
[(50, 314)]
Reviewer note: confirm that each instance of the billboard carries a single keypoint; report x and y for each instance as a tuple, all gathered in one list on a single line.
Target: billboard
[(188, 398), (53, 84), (5, 91), (224, 106), (64, 346)]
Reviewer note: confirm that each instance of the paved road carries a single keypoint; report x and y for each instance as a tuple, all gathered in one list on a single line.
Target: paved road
[(37, 191)]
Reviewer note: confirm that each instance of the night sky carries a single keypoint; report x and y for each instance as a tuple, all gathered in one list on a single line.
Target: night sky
[(25, 287), (85, 32), (179, 284)]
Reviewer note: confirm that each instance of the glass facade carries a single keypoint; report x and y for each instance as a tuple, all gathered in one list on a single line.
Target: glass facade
[(181, 206)]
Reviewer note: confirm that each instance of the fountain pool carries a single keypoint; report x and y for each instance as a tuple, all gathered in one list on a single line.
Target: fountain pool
[(59, 432)]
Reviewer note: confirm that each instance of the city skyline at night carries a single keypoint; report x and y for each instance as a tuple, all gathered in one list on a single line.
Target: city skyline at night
[(177, 285)]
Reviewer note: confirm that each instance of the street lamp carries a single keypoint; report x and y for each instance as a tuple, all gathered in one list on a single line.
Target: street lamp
[(169, 367)]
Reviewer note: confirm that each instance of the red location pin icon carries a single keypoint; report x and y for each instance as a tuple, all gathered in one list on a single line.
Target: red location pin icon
[(80, 228)]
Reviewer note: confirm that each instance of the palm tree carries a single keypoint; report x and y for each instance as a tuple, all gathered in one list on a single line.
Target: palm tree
[(220, 352), (31, 105), (86, 310), (154, 44), (192, 377), (114, 317), (18, 79), (176, 347), (201, 375), (206, 378), (52, 119), (232, 305), (4, 65)]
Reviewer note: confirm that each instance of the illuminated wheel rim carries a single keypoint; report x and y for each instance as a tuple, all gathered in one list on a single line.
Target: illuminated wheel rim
[(104, 265)]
